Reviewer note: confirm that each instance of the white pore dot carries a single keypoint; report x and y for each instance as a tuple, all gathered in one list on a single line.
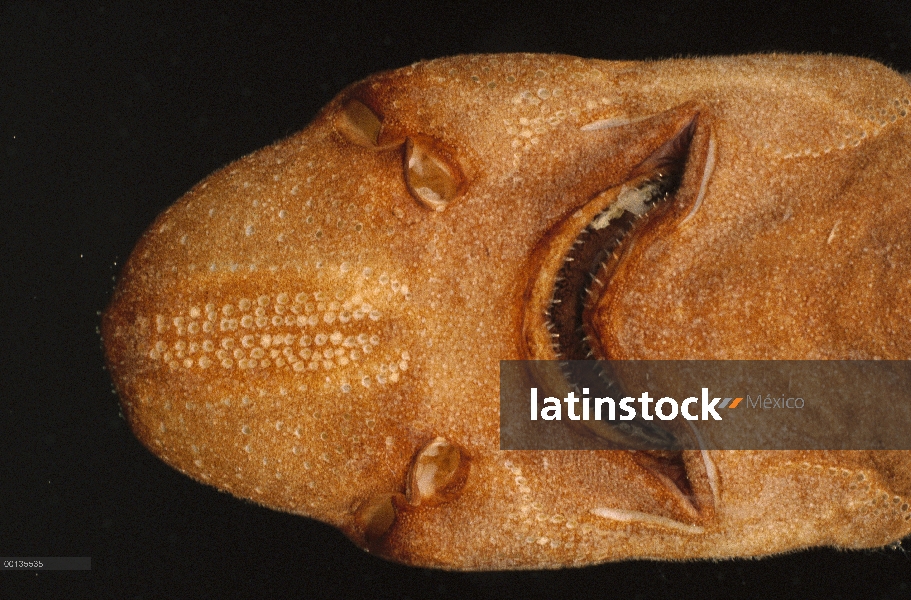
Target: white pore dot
[(263, 300), (320, 339), (248, 230)]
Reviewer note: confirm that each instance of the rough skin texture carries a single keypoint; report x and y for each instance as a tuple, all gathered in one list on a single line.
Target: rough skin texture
[(317, 326)]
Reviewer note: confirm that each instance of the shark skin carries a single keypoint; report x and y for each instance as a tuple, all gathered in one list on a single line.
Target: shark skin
[(317, 327)]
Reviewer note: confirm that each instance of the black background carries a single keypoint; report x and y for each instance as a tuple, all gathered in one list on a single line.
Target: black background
[(108, 113)]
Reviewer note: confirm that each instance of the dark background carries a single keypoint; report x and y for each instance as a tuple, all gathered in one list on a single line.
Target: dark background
[(109, 112)]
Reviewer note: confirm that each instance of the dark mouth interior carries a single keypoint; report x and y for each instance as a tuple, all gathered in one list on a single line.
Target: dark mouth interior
[(578, 283), (583, 278)]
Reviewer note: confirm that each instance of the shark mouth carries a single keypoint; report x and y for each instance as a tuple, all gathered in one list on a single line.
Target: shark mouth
[(575, 261), (579, 254)]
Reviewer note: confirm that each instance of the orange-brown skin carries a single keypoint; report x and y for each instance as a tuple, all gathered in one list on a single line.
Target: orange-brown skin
[(383, 420)]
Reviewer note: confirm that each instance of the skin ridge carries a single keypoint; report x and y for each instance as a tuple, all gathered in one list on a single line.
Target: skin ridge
[(317, 326)]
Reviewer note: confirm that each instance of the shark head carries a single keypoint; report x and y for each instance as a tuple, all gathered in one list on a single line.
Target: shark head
[(318, 326)]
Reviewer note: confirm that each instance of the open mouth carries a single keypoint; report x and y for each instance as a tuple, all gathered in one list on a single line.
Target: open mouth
[(576, 261), (580, 253)]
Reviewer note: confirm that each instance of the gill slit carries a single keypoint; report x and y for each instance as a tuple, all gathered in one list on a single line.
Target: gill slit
[(704, 184)]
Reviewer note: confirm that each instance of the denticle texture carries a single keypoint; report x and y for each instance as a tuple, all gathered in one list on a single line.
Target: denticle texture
[(317, 326)]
